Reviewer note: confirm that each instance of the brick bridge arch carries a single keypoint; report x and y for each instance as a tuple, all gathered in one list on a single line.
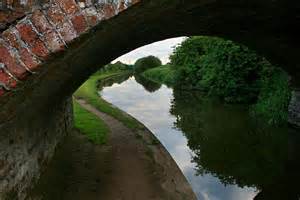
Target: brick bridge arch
[(49, 48), (86, 33)]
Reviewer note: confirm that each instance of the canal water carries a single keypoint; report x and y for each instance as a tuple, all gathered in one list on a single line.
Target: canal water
[(224, 153)]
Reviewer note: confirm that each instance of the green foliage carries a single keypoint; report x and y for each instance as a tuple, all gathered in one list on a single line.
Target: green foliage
[(89, 124), (186, 59), (220, 67), (145, 63), (234, 73), (274, 98), (118, 66), (164, 74)]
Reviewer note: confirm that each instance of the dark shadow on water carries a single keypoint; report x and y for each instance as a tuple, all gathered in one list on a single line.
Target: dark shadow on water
[(148, 85), (231, 146), (118, 79)]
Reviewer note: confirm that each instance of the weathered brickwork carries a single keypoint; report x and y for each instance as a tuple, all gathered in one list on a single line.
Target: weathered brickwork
[(33, 32), (45, 28), (25, 150)]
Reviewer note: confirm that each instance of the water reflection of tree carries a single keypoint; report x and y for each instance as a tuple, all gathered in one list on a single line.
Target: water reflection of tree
[(149, 85), (227, 144), (107, 82)]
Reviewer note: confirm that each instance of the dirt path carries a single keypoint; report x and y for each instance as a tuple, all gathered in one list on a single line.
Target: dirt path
[(128, 167)]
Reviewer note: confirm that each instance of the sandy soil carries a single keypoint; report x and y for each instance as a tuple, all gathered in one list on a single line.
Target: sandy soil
[(129, 167)]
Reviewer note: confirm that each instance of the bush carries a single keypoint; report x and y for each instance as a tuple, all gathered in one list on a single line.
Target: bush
[(234, 73), (220, 67), (145, 63), (163, 74), (274, 98), (118, 66), (186, 59)]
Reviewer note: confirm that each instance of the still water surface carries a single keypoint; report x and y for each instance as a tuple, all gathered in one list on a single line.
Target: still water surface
[(222, 152)]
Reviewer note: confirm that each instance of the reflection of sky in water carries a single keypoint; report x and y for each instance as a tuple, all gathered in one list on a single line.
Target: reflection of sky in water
[(152, 109)]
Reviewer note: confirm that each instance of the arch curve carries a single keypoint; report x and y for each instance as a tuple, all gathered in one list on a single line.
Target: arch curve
[(269, 27)]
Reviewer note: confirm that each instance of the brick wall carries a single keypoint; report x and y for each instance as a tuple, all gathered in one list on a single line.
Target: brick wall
[(41, 28), (26, 148)]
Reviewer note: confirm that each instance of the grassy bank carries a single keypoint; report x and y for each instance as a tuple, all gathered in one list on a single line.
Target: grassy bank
[(90, 125), (163, 74), (89, 92)]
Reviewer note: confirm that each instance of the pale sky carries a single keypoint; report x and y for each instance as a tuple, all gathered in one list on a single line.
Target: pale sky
[(162, 49)]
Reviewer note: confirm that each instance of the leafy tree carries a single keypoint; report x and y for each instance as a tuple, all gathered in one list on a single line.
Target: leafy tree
[(234, 73), (116, 67), (145, 63)]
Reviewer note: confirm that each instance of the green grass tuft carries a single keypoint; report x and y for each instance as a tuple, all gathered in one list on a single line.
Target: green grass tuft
[(89, 92), (90, 125)]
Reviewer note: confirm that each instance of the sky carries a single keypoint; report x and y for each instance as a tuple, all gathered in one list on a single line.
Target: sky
[(162, 49)]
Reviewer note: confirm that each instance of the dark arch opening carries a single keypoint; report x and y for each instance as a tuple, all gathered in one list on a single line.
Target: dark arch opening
[(268, 191)]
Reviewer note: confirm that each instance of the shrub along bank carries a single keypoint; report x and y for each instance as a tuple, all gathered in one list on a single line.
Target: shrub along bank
[(162, 74), (229, 71), (146, 63)]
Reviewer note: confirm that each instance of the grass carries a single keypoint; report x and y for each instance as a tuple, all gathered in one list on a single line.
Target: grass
[(163, 74), (89, 92), (90, 125)]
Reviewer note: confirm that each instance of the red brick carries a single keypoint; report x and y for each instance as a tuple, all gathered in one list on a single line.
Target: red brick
[(53, 41), (25, 56), (27, 33), (11, 38), (92, 20), (122, 6), (56, 15), (29, 60), (7, 17), (109, 11), (79, 24), (13, 67), (7, 80), (4, 77), (40, 22), (2, 92), (67, 32), (50, 37), (35, 44), (39, 49), (68, 6), (92, 16)]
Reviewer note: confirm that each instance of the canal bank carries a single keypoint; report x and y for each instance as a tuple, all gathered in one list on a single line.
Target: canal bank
[(131, 165)]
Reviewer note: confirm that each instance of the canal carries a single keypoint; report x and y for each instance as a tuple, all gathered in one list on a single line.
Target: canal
[(224, 153)]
